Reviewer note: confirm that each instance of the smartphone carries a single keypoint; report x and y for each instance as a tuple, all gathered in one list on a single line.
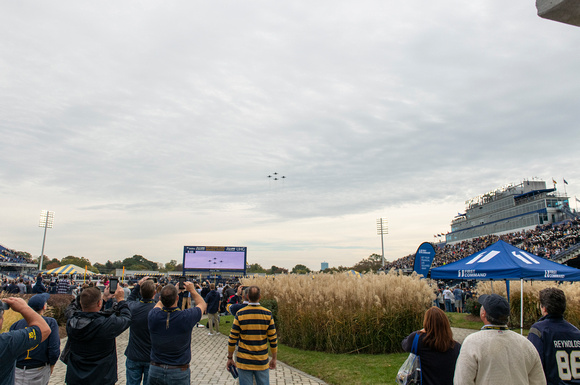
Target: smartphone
[(182, 282), (152, 279), (4, 306), (113, 283), (233, 370)]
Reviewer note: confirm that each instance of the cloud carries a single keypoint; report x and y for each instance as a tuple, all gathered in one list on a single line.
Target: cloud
[(156, 124)]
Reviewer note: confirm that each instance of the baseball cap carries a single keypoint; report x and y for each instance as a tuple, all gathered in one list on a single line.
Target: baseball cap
[(37, 301), (495, 305)]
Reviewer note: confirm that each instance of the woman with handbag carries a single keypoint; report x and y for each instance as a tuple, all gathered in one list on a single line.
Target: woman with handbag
[(436, 348)]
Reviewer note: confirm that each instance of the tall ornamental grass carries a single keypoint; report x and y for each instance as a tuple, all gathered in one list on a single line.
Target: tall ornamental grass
[(532, 299), (338, 313)]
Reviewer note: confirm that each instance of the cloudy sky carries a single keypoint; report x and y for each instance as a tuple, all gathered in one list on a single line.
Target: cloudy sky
[(148, 125)]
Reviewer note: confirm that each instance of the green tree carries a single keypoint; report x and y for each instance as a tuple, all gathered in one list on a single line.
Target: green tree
[(255, 268), (277, 270), (79, 261), (50, 262), (334, 270), (372, 263), (138, 262), (169, 266), (300, 269), (24, 254), (52, 265), (101, 269), (109, 267)]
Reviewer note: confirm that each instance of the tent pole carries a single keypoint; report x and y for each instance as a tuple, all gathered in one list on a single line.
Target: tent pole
[(522, 308)]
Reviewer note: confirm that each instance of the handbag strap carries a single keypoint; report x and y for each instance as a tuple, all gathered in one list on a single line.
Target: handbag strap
[(415, 344)]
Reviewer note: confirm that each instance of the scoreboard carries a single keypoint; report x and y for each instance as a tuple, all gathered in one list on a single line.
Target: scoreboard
[(221, 258)]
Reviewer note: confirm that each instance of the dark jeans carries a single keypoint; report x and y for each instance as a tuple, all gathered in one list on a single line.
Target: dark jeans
[(160, 376), (448, 306), (136, 370)]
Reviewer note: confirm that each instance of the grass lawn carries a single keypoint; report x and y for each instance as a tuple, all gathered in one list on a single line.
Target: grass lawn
[(464, 321), (468, 321), (336, 369)]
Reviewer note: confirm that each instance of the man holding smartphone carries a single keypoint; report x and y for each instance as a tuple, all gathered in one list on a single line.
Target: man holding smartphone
[(138, 350), (91, 335), (170, 330)]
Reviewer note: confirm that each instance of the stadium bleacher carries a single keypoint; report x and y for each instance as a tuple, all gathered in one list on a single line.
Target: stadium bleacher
[(553, 241), (8, 255)]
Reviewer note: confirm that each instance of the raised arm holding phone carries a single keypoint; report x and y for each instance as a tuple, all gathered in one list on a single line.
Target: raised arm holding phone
[(170, 330), (14, 343)]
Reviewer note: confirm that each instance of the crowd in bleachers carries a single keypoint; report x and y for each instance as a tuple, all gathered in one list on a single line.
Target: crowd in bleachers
[(545, 241), (7, 255)]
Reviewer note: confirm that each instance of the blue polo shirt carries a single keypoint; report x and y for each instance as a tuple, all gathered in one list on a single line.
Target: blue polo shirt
[(13, 344), (45, 353), (170, 331)]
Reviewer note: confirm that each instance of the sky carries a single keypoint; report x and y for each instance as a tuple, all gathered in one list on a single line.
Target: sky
[(147, 126)]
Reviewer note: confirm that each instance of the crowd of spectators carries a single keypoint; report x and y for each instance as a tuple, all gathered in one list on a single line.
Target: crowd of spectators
[(546, 241), (7, 255), (160, 336)]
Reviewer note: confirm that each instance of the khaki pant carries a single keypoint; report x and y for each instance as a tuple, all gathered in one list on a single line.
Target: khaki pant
[(213, 321), (36, 376)]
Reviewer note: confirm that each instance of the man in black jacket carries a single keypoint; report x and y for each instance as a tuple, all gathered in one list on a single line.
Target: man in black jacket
[(91, 334), (139, 347)]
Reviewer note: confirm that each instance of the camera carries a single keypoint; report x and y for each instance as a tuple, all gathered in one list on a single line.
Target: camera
[(4, 306)]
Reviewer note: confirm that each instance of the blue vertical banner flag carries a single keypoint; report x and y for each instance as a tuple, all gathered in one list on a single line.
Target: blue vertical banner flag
[(424, 258)]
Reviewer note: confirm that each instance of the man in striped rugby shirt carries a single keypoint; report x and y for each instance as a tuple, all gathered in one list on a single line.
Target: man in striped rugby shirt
[(252, 330)]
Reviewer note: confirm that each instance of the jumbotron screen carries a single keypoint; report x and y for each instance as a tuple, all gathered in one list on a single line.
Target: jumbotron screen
[(214, 258)]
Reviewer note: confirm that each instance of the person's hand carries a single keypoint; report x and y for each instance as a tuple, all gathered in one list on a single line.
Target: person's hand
[(272, 363), (119, 293), (189, 286), (230, 363), (107, 294), (142, 280), (16, 304)]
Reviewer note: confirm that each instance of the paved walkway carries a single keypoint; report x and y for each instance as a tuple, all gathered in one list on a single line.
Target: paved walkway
[(460, 334), (208, 363)]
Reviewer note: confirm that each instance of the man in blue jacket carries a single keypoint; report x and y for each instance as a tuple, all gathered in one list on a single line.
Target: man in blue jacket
[(557, 340), (212, 299), (36, 364)]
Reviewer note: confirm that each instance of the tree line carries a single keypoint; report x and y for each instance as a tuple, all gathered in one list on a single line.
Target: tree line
[(138, 262), (370, 264)]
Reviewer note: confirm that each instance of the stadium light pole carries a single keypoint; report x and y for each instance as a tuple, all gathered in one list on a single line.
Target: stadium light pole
[(382, 229), (46, 221)]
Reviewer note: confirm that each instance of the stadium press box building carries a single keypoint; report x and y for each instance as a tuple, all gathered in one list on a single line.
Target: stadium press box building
[(508, 209)]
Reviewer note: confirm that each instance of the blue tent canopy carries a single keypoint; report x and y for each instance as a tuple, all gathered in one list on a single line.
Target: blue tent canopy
[(504, 261)]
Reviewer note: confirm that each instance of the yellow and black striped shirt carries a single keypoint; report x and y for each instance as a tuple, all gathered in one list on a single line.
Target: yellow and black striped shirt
[(253, 328)]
